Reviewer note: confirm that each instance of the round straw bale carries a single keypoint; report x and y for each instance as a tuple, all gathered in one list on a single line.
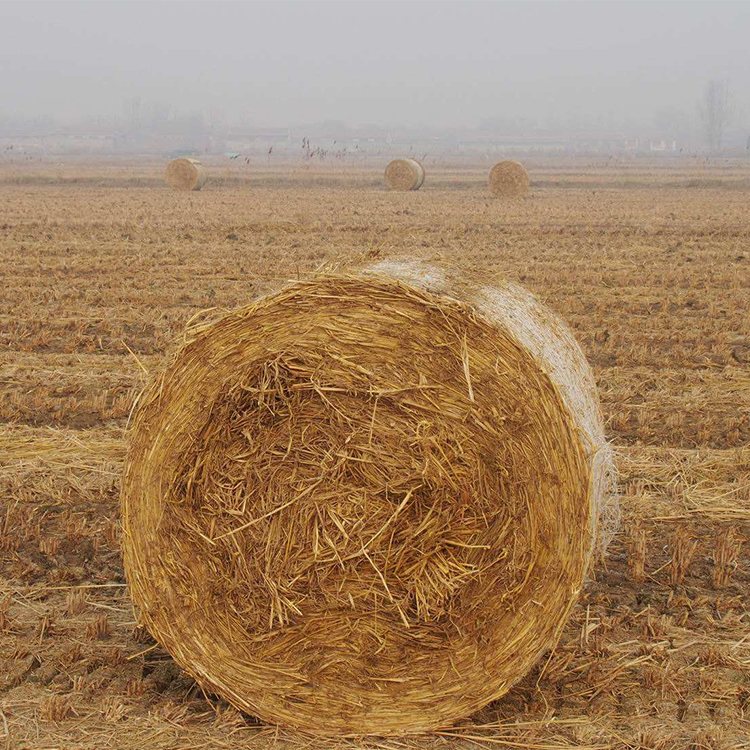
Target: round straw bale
[(366, 503), (404, 174), (185, 174), (509, 179)]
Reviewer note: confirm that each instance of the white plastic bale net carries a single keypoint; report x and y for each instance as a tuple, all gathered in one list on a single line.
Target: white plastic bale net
[(508, 305)]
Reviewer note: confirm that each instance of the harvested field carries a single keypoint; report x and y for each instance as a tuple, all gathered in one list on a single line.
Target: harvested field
[(103, 266)]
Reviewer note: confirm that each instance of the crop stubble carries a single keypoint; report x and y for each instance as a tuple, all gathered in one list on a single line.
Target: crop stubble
[(650, 272)]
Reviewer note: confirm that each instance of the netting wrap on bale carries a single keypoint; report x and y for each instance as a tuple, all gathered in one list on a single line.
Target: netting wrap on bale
[(404, 174), (366, 503), (509, 179), (185, 174)]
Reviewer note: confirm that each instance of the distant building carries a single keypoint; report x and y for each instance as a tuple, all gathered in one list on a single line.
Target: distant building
[(662, 146)]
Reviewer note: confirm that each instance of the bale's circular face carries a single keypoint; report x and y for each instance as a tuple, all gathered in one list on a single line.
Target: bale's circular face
[(509, 179), (355, 507), (404, 174), (184, 174)]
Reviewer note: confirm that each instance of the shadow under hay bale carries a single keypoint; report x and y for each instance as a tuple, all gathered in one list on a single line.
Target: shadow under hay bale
[(404, 174), (509, 179), (185, 174), (366, 503)]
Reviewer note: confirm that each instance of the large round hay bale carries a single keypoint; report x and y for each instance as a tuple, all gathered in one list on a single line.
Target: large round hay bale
[(185, 174), (404, 174), (509, 179), (366, 503)]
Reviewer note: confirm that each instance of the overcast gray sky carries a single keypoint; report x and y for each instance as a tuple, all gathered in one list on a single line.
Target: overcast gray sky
[(446, 64)]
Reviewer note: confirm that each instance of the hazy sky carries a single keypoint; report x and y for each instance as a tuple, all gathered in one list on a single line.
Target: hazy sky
[(446, 64)]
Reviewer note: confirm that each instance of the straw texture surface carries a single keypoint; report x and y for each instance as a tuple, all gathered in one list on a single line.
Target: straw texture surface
[(185, 174), (404, 174), (509, 179), (366, 503)]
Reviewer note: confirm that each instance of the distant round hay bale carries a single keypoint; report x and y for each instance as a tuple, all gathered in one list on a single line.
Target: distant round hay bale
[(509, 179), (185, 174), (366, 503), (404, 174)]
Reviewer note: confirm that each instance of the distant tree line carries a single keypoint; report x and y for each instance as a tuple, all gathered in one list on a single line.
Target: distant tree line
[(715, 111)]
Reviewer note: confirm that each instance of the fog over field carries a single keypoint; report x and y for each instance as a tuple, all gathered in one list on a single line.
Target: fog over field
[(420, 64)]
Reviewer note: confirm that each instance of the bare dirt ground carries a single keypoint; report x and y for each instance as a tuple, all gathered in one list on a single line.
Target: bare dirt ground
[(102, 266)]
